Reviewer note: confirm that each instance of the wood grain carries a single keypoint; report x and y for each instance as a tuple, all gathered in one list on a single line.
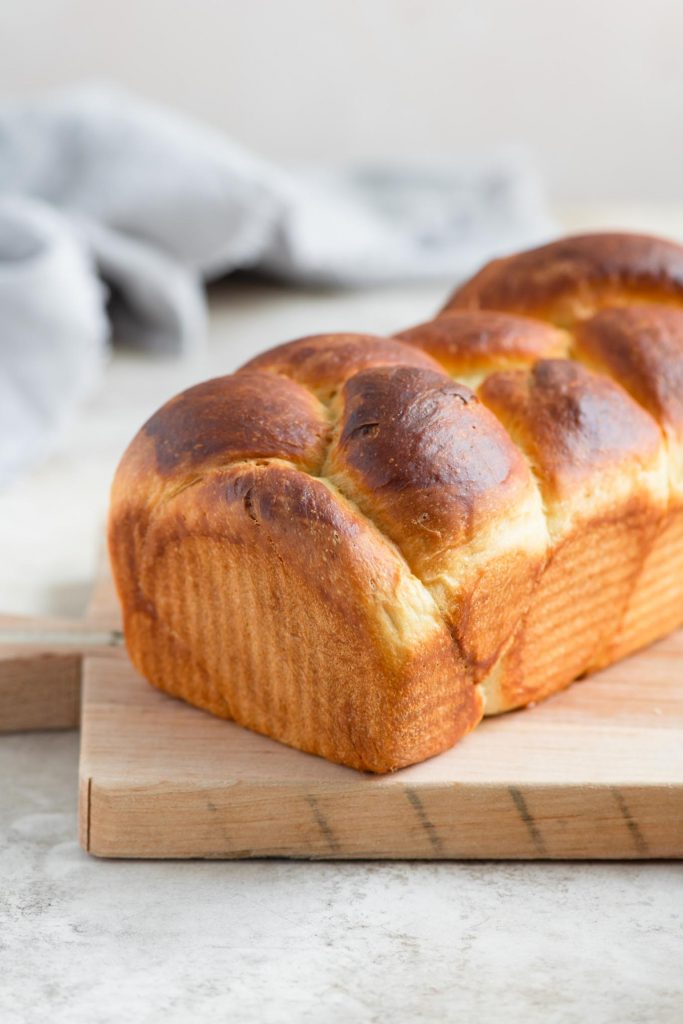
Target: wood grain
[(39, 689), (594, 772), (40, 667)]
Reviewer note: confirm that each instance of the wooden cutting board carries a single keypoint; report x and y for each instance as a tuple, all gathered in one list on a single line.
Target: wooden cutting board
[(594, 772)]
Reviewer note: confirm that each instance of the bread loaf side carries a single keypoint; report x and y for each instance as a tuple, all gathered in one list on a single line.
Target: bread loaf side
[(360, 545)]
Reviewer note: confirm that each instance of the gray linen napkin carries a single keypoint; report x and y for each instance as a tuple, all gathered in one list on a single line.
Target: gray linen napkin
[(114, 211)]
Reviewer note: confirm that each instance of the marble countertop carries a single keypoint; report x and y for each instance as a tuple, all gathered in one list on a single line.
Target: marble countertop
[(270, 941)]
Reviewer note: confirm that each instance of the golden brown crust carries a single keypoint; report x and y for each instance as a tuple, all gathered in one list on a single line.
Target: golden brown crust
[(597, 456), (474, 343), (421, 456), (245, 416), (430, 461), (266, 598), (571, 279), (322, 362), (575, 425), (641, 347), (577, 609), (342, 548), (656, 604)]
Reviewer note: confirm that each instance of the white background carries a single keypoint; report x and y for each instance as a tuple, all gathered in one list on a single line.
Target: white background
[(593, 87)]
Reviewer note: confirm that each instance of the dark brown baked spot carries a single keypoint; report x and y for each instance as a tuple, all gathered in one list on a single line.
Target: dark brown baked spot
[(250, 415), (416, 445), (571, 422), (642, 348)]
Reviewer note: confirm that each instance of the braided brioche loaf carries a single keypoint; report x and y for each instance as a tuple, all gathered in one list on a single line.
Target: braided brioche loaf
[(361, 545)]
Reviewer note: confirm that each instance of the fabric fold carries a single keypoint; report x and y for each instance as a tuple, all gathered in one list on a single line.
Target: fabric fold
[(115, 212)]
